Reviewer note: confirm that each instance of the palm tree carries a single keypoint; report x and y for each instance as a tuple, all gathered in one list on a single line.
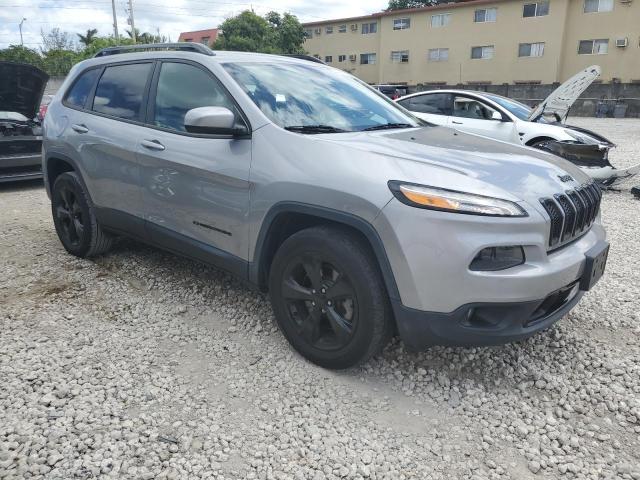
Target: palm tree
[(88, 38)]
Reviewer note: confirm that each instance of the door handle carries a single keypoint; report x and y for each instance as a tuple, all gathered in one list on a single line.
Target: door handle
[(152, 145), (457, 123), (79, 128)]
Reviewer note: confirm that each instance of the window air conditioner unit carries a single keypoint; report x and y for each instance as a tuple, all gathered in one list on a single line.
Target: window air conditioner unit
[(352, 57), (622, 42), (354, 27)]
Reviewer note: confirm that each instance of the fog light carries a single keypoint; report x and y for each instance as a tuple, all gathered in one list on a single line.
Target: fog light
[(491, 259)]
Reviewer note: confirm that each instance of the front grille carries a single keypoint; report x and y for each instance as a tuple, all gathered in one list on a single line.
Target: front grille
[(572, 212)]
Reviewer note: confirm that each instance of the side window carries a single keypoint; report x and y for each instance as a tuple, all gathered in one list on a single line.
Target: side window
[(436, 104), (466, 107), (182, 87), (121, 89), (78, 93)]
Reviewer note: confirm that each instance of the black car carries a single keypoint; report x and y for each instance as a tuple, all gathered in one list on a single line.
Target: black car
[(21, 89)]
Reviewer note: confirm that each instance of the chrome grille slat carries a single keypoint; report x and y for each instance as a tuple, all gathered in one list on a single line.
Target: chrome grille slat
[(571, 213)]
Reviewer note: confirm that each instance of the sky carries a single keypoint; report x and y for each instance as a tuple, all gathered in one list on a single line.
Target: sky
[(169, 18)]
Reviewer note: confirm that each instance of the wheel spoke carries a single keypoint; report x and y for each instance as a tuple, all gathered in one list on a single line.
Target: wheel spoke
[(62, 213), (341, 327), (339, 288), (310, 329), (292, 290), (64, 193), (78, 227), (313, 268)]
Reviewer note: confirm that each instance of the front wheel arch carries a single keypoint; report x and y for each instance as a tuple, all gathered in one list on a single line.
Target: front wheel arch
[(537, 140)]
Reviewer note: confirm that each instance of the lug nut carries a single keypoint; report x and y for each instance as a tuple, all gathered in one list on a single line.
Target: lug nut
[(313, 304), (323, 291), (329, 303)]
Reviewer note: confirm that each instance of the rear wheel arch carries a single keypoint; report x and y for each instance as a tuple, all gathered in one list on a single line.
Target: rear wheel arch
[(285, 219)]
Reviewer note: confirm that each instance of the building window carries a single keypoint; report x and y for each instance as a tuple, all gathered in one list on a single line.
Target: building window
[(369, 28), (308, 33), (484, 15), (484, 52), (367, 59), (342, 58), (342, 29), (531, 49), (595, 6), (593, 47), (539, 9), (328, 29), (205, 40), (438, 54), (440, 20), (318, 31), (401, 23), (400, 56), (328, 59)]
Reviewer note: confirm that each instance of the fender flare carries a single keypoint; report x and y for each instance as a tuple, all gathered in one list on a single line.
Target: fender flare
[(257, 267)]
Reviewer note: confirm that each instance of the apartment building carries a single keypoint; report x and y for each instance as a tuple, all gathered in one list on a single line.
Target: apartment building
[(485, 42)]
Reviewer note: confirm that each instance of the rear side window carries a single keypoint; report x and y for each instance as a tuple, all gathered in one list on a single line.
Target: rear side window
[(78, 93), (436, 103), (182, 87), (121, 89)]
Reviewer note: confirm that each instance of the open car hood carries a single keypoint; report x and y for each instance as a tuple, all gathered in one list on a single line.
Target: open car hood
[(21, 88), (561, 99)]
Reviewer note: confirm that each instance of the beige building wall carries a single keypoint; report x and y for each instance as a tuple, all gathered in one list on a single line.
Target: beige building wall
[(560, 30)]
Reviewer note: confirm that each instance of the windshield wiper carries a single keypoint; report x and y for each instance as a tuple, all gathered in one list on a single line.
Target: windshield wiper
[(314, 129), (387, 126)]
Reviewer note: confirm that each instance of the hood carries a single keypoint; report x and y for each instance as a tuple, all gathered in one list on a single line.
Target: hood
[(21, 88), (488, 167), (561, 99)]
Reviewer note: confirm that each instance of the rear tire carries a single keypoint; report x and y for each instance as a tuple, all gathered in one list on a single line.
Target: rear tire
[(75, 219), (328, 297)]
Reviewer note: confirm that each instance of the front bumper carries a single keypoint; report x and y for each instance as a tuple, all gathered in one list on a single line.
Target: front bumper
[(20, 167), (443, 302)]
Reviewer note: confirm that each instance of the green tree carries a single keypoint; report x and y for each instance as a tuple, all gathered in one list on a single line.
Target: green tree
[(56, 39), (99, 43), (274, 33), (20, 54), (57, 63), (402, 4), (88, 37)]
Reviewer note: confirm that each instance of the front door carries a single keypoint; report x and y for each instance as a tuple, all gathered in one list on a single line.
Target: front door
[(474, 116), (195, 186)]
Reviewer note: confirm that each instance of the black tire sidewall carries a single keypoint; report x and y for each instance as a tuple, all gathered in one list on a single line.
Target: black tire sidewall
[(69, 180), (348, 256)]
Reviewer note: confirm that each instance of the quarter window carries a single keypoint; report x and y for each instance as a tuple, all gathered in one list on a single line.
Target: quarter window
[(485, 52), (531, 49), (438, 54), (367, 59), (401, 23), (369, 28), (182, 87), (593, 47), (440, 20), (484, 15), (120, 90), (401, 56), (539, 9), (79, 92), (595, 6)]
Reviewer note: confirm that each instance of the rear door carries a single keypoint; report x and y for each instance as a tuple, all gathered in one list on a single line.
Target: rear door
[(475, 116), (104, 132), (432, 107), (194, 185)]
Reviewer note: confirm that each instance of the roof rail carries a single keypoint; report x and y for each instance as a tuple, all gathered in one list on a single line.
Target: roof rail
[(180, 46), (304, 57)]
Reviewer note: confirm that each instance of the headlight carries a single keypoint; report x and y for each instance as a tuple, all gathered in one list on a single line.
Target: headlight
[(581, 137), (445, 200)]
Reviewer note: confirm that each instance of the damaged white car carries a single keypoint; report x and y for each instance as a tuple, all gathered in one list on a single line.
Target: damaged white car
[(505, 119)]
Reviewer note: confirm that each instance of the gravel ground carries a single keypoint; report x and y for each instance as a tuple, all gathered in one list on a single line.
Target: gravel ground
[(143, 365)]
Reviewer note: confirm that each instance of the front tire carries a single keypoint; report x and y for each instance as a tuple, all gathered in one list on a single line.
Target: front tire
[(328, 297), (75, 219)]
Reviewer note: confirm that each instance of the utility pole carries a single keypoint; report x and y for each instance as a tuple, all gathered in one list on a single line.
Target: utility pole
[(115, 19), (133, 25), (21, 41)]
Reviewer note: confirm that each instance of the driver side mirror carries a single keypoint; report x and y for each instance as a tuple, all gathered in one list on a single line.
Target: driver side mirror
[(495, 115), (213, 121)]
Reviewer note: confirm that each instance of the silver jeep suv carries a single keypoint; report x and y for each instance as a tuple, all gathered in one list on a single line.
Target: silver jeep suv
[(360, 220)]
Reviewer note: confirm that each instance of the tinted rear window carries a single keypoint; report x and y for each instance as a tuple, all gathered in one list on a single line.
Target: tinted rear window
[(121, 89), (77, 95), (435, 103)]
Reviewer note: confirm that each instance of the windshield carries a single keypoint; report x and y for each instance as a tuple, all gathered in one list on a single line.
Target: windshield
[(297, 95)]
